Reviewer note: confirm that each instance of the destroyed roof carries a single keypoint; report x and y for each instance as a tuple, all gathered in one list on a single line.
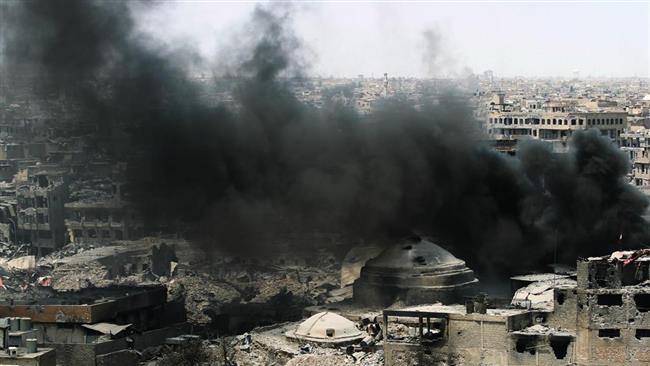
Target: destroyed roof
[(326, 327), (539, 295), (625, 256)]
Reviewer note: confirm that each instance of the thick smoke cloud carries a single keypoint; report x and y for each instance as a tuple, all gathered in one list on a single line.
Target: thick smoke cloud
[(240, 177)]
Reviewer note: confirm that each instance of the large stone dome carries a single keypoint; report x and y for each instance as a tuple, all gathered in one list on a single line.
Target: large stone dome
[(414, 271)]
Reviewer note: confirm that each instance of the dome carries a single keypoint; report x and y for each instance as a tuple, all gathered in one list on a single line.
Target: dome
[(415, 271), (415, 254), (326, 327)]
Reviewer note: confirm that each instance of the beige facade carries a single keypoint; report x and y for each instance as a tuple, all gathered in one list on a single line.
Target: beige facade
[(553, 125), (636, 144)]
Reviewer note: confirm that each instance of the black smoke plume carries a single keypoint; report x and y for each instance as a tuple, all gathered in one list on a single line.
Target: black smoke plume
[(240, 176)]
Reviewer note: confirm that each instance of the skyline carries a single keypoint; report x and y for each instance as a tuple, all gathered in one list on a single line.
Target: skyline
[(432, 39)]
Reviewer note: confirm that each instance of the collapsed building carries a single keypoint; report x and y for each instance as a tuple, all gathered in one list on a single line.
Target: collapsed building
[(600, 317)]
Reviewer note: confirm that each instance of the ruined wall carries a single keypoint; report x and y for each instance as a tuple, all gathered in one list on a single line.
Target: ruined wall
[(540, 350), (565, 305), (470, 341), (478, 341), (614, 325)]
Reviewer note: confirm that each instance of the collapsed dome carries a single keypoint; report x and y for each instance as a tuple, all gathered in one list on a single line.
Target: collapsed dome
[(414, 271), (326, 327)]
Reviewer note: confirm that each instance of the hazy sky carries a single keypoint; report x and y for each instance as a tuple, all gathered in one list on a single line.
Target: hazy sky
[(528, 38)]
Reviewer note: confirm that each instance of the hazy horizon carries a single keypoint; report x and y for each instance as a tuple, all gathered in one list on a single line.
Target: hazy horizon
[(433, 39)]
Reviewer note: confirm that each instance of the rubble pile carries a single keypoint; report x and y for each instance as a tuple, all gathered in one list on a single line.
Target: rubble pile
[(8, 250), (201, 292), (211, 287)]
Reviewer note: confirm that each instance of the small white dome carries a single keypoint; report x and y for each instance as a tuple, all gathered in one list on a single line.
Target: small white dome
[(326, 327)]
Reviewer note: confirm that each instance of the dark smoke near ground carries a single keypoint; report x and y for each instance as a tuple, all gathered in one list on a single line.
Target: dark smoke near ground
[(239, 177)]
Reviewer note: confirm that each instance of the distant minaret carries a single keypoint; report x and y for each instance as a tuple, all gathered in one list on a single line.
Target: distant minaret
[(385, 84)]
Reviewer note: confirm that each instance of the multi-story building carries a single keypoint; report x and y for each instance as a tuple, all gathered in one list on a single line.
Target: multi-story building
[(636, 143), (552, 121), (98, 222), (41, 192)]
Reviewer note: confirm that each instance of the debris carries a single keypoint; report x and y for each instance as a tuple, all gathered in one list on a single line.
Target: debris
[(27, 262), (305, 348), (246, 342), (44, 281)]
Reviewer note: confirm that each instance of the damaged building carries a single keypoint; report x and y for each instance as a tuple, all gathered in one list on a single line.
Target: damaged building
[(597, 316), (101, 221), (90, 327), (41, 192)]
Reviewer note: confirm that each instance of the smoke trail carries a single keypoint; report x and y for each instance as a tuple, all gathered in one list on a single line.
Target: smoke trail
[(241, 176)]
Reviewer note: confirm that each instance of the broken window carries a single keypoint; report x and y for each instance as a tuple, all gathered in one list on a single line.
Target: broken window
[(609, 333), (642, 302), (560, 346), (610, 299), (642, 333), (92, 233), (525, 344), (106, 234), (561, 297)]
